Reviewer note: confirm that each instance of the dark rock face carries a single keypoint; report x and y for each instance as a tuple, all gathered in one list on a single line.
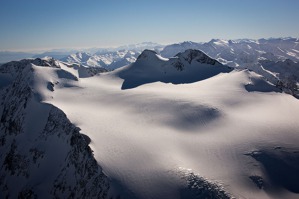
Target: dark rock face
[(281, 166), (43, 155), (90, 180), (196, 55), (145, 54), (92, 71), (16, 66), (49, 63), (199, 187), (178, 65), (258, 181)]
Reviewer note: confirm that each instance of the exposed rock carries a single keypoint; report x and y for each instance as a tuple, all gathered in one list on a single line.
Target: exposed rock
[(196, 55), (258, 181), (42, 151), (199, 187)]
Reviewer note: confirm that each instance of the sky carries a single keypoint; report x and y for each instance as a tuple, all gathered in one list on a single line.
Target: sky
[(28, 25)]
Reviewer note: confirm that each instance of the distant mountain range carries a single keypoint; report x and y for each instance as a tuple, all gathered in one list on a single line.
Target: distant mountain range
[(276, 58), (6, 56), (236, 53)]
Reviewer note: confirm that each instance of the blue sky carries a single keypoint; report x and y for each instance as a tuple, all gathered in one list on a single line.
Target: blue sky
[(48, 24)]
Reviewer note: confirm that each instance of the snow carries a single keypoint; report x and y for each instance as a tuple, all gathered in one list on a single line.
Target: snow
[(110, 58), (143, 136), (235, 52), (292, 54), (186, 67), (199, 120), (220, 42)]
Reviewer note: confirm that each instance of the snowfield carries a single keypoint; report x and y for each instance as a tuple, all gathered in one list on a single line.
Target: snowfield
[(213, 137), (143, 136)]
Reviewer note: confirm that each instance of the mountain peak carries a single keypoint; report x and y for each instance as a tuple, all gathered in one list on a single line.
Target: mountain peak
[(147, 54), (82, 55), (47, 61), (193, 54)]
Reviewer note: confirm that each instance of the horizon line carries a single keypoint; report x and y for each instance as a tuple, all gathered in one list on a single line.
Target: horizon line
[(81, 49)]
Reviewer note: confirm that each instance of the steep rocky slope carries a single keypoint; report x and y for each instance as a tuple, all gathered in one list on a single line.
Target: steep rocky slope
[(43, 155)]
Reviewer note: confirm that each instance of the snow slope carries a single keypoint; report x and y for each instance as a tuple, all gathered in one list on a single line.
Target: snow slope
[(159, 140), (212, 138)]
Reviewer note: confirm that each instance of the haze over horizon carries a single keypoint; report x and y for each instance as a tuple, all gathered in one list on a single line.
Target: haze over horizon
[(33, 26)]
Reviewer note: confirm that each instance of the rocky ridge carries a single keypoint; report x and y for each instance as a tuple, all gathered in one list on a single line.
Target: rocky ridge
[(43, 155)]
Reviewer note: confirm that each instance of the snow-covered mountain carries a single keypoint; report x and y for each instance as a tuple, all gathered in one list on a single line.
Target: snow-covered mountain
[(85, 59), (140, 46), (105, 60), (43, 155), (186, 126), (189, 66), (119, 58), (111, 58), (173, 49), (253, 54), (284, 74), (55, 54), (242, 53), (73, 55), (174, 115), (236, 53)]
